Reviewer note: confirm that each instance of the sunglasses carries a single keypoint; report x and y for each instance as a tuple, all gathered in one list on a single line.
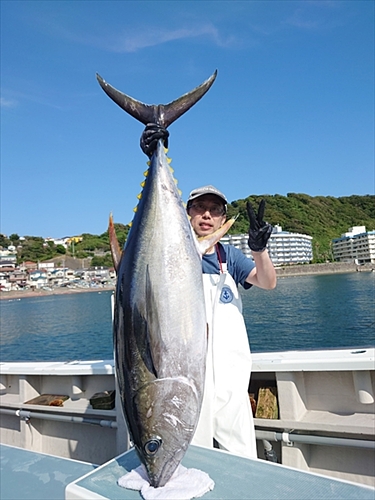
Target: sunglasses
[(202, 208)]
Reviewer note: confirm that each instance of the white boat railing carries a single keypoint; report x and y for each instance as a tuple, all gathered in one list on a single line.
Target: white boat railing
[(325, 400)]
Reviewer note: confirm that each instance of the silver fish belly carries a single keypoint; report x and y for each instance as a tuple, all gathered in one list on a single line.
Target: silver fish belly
[(160, 326)]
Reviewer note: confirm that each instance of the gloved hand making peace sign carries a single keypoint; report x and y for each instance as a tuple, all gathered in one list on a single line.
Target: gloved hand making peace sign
[(259, 231)]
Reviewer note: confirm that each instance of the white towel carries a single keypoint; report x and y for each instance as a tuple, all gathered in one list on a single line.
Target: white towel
[(183, 485)]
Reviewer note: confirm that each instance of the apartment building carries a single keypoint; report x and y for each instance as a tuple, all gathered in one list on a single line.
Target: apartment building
[(239, 241), (357, 245), (289, 248), (284, 247)]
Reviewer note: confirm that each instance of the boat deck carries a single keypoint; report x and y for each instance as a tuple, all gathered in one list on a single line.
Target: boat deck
[(27, 475), (235, 478)]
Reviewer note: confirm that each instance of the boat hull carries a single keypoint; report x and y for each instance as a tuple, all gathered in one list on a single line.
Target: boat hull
[(325, 397)]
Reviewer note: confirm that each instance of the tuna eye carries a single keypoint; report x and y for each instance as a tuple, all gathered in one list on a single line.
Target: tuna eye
[(152, 446)]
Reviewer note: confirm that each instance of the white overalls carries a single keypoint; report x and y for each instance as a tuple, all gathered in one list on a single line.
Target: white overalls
[(226, 413)]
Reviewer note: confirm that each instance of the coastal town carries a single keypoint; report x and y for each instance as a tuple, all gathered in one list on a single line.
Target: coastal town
[(49, 276), (290, 252)]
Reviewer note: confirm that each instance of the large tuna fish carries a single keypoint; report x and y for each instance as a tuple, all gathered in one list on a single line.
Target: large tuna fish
[(159, 317)]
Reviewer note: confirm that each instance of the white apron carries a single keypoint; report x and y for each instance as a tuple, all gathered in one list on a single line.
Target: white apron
[(226, 413)]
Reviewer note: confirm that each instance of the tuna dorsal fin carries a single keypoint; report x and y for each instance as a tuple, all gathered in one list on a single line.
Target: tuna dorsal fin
[(114, 244), (162, 114)]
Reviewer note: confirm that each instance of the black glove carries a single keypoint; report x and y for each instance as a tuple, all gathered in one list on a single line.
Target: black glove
[(259, 231), (150, 136)]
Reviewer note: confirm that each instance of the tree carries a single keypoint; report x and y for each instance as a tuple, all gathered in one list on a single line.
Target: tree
[(105, 261), (14, 238), (4, 241)]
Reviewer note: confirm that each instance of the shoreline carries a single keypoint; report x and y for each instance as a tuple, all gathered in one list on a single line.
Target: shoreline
[(24, 294), (327, 268), (285, 271)]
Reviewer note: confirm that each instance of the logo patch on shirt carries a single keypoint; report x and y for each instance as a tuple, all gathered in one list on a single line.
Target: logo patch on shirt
[(226, 295)]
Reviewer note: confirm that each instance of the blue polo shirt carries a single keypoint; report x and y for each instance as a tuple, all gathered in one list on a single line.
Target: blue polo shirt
[(238, 265)]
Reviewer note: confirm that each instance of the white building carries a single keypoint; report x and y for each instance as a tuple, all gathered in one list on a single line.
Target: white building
[(239, 241), (289, 248), (38, 279), (9, 254), (283, 247), (356, 245), (58, 241), (47, 266), (61, 275)]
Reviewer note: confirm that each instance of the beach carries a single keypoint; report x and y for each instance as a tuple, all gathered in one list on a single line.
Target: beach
[(22, 294)]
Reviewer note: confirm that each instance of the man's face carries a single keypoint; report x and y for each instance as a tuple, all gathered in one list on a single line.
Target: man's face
[(207, 214)]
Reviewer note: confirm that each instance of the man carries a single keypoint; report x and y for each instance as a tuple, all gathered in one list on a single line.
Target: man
[(226, 414)]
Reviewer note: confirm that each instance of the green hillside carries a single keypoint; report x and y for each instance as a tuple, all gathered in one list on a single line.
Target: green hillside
[(322, 217)]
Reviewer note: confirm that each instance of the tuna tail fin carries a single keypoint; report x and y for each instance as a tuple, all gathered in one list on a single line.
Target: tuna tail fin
[(114, 244), (162, 114)]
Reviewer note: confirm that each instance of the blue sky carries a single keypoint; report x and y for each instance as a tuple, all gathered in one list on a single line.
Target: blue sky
[(292, 108)]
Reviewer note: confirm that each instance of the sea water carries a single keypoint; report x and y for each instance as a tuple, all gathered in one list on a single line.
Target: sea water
[(312, 312), (305, 312)]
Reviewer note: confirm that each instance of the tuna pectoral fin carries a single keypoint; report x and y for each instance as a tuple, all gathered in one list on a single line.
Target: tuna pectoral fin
[(154, 337), (114, 244), (207, 242)]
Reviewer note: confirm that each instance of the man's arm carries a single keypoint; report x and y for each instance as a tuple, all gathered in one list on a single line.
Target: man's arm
[(263, 275)]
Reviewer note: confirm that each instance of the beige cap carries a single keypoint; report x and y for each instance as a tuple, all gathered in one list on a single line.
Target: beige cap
[(196, 193)]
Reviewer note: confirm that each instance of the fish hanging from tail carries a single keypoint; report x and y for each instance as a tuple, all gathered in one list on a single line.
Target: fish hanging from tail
[(159, 327)]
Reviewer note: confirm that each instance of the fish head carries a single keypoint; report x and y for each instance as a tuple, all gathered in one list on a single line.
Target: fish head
[(166, 425)]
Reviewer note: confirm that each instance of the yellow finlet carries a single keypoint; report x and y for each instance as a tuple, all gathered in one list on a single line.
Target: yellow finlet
[(135, 209), (145, 173), (139, 196), (143, 183)]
